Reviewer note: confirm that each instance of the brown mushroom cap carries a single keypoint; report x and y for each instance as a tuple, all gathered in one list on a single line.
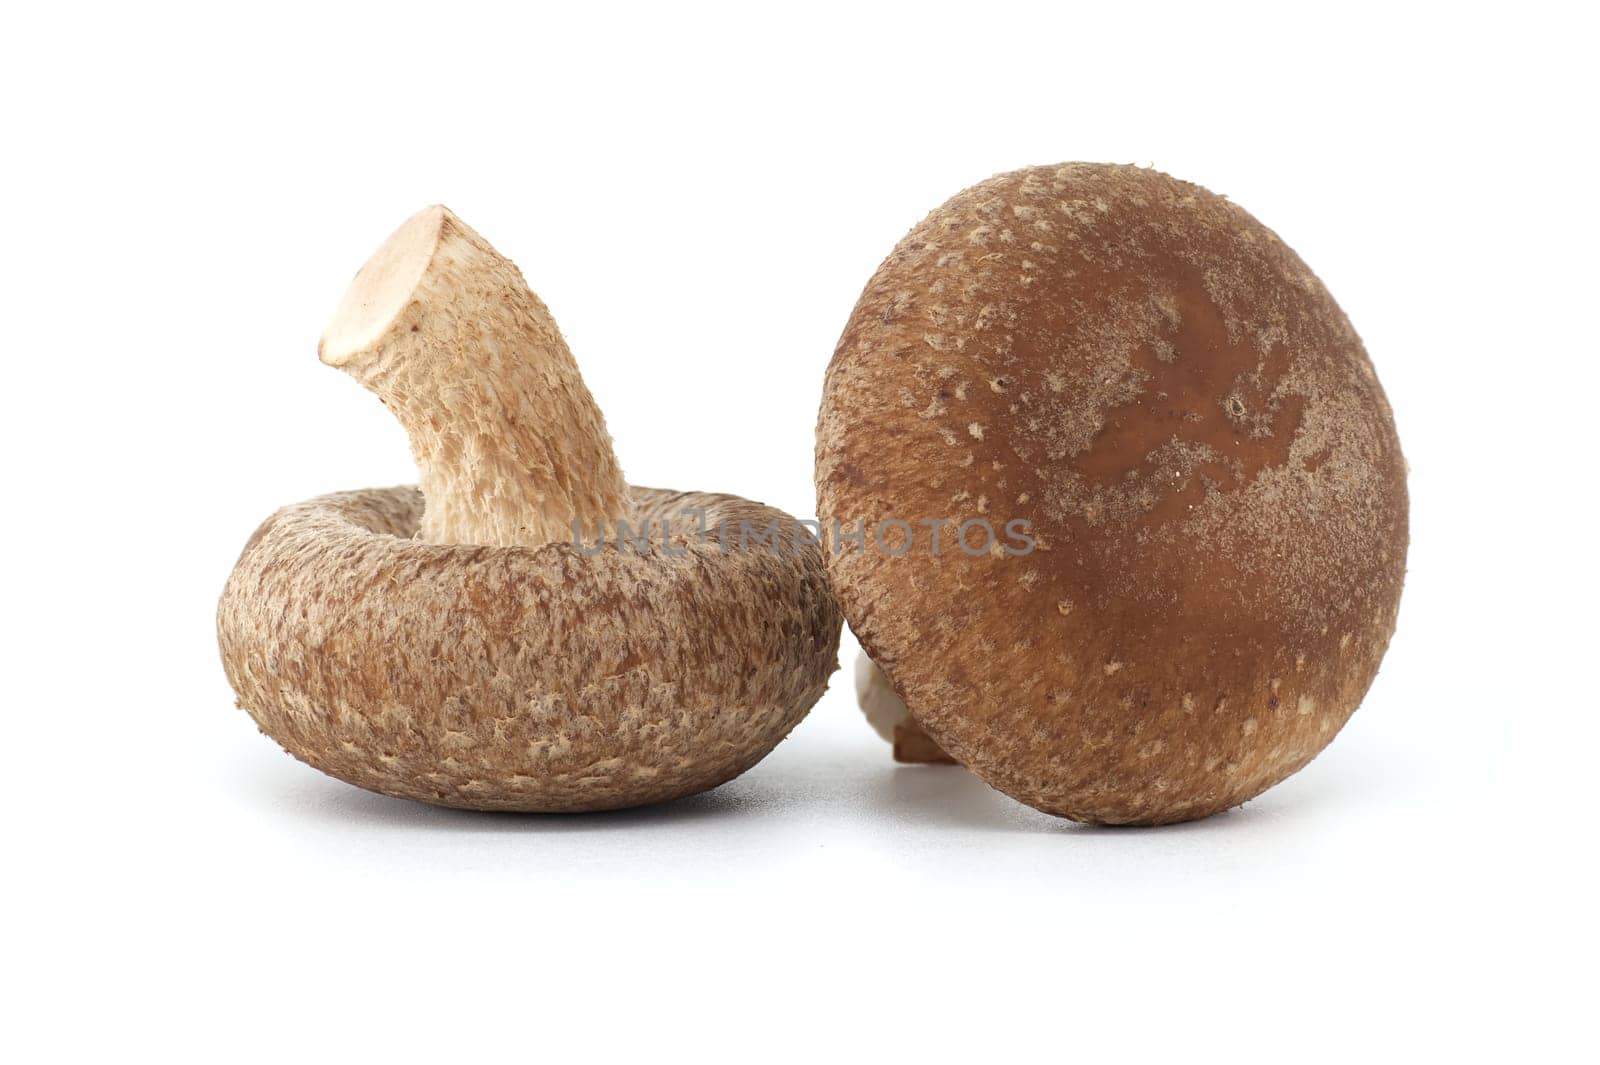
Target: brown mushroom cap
[(1206, 463), (492, 641), (515, 678)]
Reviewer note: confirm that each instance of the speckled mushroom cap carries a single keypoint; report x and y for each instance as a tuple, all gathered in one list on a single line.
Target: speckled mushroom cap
[(516, 678), (1207, 466), (498, 638)]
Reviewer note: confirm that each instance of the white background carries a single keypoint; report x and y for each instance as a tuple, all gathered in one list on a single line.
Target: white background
[(699, 196)]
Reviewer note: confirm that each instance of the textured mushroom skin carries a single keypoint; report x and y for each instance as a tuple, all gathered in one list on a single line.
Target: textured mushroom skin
[(510, 444), (1193, 430), (514, 678)]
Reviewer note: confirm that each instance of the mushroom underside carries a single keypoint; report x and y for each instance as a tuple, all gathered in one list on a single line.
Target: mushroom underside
[(565, 677)]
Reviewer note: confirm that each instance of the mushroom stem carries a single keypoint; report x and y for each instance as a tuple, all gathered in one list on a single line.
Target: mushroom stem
[(511, 447)]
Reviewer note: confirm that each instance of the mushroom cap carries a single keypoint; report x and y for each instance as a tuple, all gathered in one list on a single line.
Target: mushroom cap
[(1205, 462), (518, 678)]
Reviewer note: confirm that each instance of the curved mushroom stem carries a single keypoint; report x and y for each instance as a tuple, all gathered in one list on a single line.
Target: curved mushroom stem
[(510, 444)]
